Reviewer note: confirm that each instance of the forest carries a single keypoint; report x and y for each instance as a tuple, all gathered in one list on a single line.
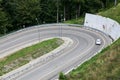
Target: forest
[(17, 14)]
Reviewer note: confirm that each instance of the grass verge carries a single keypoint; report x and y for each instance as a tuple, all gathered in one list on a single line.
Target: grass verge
[(113, 13), (76, 21), (27, 54)]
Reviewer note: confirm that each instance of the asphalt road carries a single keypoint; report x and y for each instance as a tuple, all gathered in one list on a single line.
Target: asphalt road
[(81, 50)]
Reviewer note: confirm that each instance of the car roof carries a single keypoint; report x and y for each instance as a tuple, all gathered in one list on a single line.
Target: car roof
[(98, 39)]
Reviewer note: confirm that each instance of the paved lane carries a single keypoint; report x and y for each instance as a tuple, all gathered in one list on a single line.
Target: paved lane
[(82, 49)]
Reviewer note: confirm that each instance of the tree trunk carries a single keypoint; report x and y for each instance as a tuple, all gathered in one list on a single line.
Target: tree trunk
[(102, 4), (115, 2), (64, 13), (79, 10), (76, 13), (57, 12)]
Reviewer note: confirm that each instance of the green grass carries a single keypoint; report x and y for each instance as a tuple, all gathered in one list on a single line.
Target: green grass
[(27, 54), (113, 13), (106, 64), (75, 21)]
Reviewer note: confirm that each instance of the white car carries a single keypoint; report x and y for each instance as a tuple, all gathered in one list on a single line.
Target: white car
[(98, 42)]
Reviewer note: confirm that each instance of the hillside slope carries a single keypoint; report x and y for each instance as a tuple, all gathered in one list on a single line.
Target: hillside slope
[(113, 13), (106, 64)]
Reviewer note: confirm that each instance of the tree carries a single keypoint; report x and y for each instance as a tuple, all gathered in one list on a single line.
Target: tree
[(48, 11), (63, 3), (3, 22), (79, 4), (27, 11), (23, 12)]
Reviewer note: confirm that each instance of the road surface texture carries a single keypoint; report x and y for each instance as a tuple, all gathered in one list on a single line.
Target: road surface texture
[(82, 49)]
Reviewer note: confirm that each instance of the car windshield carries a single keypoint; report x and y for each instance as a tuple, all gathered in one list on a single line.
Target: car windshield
[(98, 39)]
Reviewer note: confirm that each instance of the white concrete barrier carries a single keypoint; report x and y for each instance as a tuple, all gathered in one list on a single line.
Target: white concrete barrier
[(106, 25)]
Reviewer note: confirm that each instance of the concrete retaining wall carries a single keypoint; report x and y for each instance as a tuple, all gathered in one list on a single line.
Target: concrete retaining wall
[(106, 25)]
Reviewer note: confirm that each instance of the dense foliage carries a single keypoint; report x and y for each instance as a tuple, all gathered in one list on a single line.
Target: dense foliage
[(16, 14)]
